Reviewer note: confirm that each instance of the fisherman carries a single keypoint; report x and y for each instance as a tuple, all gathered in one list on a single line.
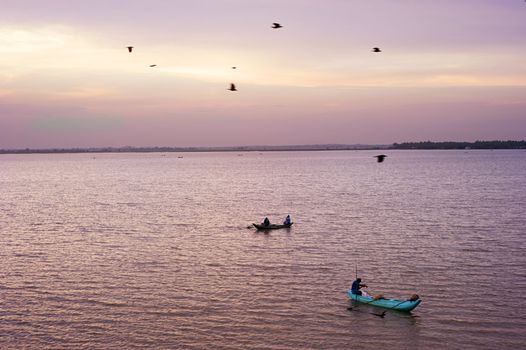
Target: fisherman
[(266, 222), (287, 220), (356, 285)]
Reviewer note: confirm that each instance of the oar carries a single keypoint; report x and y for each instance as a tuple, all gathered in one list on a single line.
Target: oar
[(391, 308), (379, 315), (382, 315), (372, 313)]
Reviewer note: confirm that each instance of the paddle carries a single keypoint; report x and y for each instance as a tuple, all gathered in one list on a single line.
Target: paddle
[(391, 307), (382, 315), (379, 296)]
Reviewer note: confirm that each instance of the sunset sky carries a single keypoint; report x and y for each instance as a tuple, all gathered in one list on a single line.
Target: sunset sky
[(449, 70)]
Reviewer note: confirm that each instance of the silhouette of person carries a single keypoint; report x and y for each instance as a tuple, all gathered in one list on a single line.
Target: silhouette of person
[(356, 285)]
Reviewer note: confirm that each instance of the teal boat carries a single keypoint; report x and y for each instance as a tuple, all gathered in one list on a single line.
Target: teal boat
[(393, 304)]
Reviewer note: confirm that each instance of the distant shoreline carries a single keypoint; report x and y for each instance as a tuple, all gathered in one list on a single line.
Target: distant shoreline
[(129, 149), (425, 145)]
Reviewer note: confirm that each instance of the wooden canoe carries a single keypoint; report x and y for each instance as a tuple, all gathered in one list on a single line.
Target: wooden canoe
[(271, 226), (393, 304)]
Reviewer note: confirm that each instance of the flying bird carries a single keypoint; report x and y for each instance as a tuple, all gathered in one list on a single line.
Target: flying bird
[(232, 87), (276, 25), (234, 67), (153, 65), (380, 157), (376, 49), (130, 48)]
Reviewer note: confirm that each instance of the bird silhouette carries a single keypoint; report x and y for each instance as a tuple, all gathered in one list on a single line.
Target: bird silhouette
[(376, 49), (382, 315), (130, 48), (153, 65), (234, 67), (380, 157), (232, 87), (276, 25)]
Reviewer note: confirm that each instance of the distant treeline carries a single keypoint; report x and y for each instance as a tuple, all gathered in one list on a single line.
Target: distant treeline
[(461, 145), (328, 147)]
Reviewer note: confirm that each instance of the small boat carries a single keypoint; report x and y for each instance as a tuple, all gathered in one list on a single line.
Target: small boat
[(271, 226), (393, 304)]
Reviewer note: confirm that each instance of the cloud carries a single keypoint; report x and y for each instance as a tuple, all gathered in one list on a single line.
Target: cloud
[(84, 123)]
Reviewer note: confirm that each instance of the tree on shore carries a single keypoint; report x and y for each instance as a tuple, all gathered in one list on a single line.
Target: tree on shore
[(461, 145)]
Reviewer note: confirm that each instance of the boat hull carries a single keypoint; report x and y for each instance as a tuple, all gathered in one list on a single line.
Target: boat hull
[(271, 226), (393, 304)]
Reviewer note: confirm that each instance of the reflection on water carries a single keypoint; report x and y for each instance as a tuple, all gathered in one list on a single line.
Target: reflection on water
[(146, 250)]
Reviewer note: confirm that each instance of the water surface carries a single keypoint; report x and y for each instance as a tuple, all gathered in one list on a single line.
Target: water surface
[(153, 251)]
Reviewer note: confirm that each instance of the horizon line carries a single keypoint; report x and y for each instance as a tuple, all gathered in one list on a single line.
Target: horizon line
[(303, 147)]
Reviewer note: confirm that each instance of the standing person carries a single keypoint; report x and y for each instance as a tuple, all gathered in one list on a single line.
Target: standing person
[(266, 222), (356, 285), (287, 220)]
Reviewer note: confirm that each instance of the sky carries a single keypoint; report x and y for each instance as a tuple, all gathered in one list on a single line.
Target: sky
[(449, 70)]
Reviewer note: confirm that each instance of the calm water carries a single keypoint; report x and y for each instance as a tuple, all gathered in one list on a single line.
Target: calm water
[(153, 251)]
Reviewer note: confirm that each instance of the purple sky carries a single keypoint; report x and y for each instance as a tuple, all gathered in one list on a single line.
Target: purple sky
[(449, 70)]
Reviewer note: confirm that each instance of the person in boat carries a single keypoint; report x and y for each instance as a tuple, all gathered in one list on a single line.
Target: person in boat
[(356, 285), (266, 222), (287, 220)]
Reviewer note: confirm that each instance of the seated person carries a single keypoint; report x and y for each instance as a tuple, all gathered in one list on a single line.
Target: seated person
[(287, 220), (356, 285), (266, 222)]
